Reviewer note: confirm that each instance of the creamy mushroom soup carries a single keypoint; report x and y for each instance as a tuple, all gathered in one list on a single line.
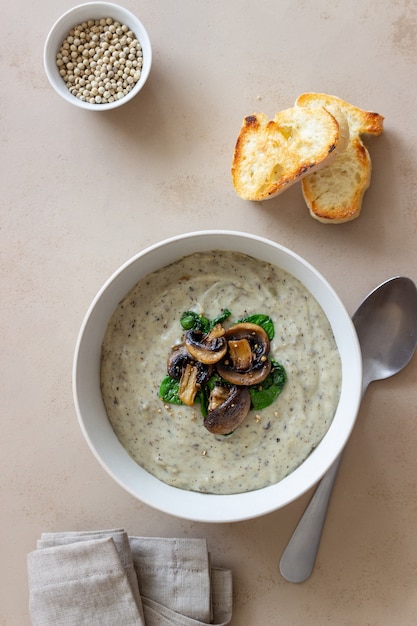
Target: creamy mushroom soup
[(169, 440)]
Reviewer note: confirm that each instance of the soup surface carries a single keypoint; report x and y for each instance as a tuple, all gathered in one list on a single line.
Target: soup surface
[(170, 441)]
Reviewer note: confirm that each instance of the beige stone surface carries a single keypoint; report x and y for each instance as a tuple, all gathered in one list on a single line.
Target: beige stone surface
[(82, 192)]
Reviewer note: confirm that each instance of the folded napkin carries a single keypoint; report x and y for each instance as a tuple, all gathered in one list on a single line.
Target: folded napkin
[(107, 578)]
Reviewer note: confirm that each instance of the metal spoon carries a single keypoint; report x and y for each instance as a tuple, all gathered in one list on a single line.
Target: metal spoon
[(386, 324)]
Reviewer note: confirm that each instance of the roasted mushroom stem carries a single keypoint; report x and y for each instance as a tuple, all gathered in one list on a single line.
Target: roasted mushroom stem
[(207, 348), (230, 413), (246, 362), (254, 335), (218, 395), (240, 353), (192, 374), (189, 386)]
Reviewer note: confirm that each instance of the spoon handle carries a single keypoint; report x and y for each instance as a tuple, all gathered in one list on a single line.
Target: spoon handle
[(298, 558)]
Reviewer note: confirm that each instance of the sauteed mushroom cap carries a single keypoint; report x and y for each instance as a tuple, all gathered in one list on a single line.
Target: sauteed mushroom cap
[(230, 413), (247, 360), (207, 348), (177, 360), (180, 358), (253, 376)]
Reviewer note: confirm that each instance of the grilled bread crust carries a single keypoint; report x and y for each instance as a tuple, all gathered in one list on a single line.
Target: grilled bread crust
[(271, 155), (334, 194)]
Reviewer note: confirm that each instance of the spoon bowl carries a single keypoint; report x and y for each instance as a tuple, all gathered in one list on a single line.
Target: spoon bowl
[(386, 326)]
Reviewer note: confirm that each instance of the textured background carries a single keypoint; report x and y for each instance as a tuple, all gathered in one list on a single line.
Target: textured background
[(82, 192)]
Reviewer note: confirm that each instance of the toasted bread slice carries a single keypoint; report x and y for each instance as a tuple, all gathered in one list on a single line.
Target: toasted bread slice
[(271, 155), (334, 194)]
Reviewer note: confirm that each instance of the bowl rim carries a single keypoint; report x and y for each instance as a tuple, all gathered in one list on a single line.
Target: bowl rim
[(204, 507), (65, 23)]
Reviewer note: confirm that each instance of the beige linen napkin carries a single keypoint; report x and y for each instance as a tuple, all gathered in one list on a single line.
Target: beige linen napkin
[(176, 574), (107, 578)]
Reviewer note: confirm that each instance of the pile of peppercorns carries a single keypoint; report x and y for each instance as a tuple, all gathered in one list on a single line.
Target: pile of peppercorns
[(100, 61)]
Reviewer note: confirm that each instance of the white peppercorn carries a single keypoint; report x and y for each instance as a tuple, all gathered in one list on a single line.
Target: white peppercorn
[(100, 60)]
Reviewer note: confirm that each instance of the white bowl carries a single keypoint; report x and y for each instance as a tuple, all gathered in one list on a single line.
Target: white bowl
[(99, 433), (77, 15)]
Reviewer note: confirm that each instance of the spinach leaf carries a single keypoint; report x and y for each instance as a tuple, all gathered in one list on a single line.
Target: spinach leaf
[(202, 398), (168, 390), (264, 395), (214, 380), (190, 320), (262, 320), (221, 318)]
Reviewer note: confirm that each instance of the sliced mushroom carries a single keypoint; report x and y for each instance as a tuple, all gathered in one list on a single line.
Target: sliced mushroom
[(253, 376), (247, 360), (191, 374), (188, 384), (230, 413), (179, 359), (207, 348)]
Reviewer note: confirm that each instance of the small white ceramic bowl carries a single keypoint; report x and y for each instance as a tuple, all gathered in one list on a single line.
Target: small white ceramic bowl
[(99, 433), (82, 13)]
